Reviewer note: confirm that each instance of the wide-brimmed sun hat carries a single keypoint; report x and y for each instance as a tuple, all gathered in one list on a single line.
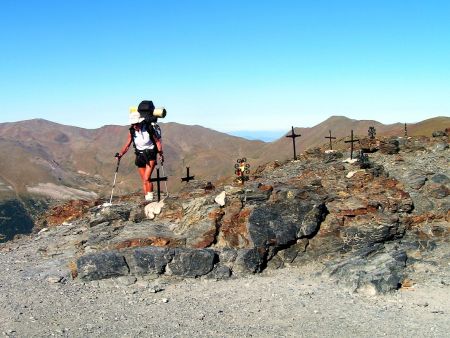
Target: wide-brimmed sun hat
[(134, 116)]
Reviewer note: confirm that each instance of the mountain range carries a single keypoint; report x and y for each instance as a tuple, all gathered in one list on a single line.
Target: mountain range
[(43, 162)]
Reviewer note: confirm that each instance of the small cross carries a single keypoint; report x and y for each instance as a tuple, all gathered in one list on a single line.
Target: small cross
[(293, 136), (187, 178), (158, 181), (330, 137), (406, 131), (352, 140)]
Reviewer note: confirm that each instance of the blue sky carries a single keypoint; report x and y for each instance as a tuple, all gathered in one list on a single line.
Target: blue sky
[(226, 65)]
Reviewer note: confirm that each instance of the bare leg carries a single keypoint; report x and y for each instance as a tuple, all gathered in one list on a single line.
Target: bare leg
[(148, 173), (145, 183)]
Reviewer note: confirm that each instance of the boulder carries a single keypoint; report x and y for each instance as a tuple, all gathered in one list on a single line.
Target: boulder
[(279, 225), (101, 265), (192, 262), (109, 213), (389, 147), (249, 261), (439, 133), (149, 260), (371, 271)]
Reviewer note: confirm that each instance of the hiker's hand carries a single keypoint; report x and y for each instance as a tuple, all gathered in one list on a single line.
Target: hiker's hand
[(161, 157), (118, 155)]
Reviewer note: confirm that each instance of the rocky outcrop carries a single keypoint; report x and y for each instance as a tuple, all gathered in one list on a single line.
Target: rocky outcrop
[(360, 218)]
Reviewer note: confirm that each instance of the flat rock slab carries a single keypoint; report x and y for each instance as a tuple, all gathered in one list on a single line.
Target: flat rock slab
[(192, 262), (102, 265), (148, 260)]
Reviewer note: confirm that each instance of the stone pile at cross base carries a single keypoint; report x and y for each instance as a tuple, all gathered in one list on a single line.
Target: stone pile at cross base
[(366, 223)]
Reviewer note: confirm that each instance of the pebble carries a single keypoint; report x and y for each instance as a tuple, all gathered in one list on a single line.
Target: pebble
[(164, 300), (54, 279)]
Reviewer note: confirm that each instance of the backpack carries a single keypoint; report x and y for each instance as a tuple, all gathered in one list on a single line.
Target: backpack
[(152, 128)]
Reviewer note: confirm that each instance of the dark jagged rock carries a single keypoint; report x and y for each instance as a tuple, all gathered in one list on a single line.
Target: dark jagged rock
[(192, 262), (438, 191), (416, 181), (440, 179), (101, 265), (149, 260), (439, 133), (220, 272), (389, 147), (249, 261), (280, 224), (332, 156), (371, 271), (109, 214)]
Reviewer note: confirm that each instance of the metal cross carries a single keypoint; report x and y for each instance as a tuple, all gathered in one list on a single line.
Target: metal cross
[(187, 178), (372, 132), (330, 137), (293, 136), (352, 140), (406, 131), (158, 181)]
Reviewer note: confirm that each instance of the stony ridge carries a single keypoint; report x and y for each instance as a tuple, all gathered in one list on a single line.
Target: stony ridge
[(366, 222)]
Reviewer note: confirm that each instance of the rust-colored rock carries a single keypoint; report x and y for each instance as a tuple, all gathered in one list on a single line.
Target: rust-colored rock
[(233, 228), (66, 212), (153, 241)]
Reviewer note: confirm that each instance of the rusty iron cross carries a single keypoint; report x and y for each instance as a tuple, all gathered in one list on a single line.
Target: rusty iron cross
[(352, 140), (187, 178), (158, 181), (294, 136), (331, 137)]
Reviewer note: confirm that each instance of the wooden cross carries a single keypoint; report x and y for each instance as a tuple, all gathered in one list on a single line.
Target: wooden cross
[(187, 178), (158, 181), (352, 140), (330, 137), (293, 136)]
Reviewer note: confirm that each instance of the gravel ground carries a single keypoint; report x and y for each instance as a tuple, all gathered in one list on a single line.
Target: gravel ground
[(283, 303)]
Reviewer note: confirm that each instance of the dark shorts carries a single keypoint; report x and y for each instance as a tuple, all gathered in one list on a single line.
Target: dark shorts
[(144, 157)]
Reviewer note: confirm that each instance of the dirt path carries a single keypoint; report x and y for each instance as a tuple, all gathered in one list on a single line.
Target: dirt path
[(285, 303)]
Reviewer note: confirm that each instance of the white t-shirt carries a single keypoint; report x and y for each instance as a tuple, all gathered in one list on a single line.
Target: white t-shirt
[(142, 139)]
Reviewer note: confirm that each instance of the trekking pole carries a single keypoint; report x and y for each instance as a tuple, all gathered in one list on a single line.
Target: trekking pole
[(164, 174), (115, 176)]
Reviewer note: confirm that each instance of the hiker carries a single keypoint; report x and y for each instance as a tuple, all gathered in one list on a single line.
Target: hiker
[(147, 143)]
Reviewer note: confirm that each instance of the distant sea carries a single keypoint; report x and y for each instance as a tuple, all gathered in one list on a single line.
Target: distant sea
[(261, 135)]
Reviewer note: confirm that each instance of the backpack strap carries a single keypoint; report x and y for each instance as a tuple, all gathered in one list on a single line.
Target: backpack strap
[(152, 128)]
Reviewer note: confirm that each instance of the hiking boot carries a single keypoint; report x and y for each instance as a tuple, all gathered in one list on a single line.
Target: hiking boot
[(149, 196)]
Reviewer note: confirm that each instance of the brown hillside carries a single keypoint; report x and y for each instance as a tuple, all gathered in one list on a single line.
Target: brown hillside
[(40, 151), (426, 127), (340, 127)]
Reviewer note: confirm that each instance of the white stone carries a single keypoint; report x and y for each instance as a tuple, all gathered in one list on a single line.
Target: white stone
[(54, 279), (220, 199), (153, 209), (352, 173), (350, 160)]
